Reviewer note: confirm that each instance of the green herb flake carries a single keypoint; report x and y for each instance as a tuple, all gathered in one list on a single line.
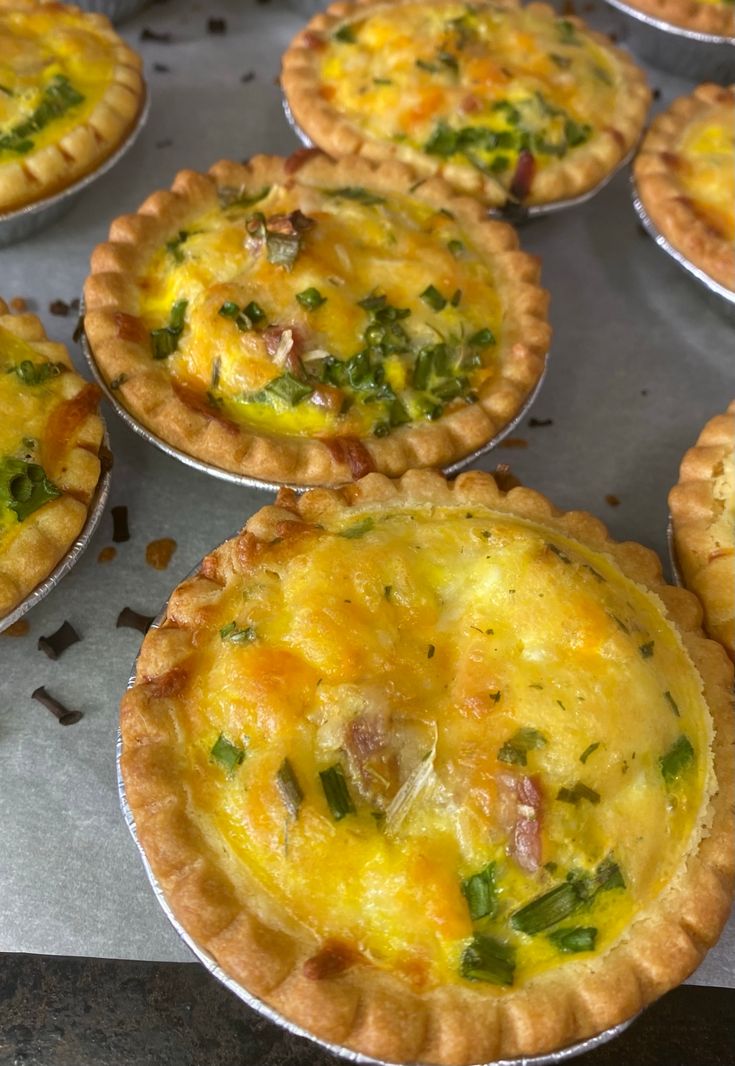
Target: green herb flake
[(548, 909), (672, 703), (456, 248), (286, 388), (232, 633), (677, 759), (336, 792), (578, 792), (646, 649), (311, 299), (515, 750), (573, 939), (173, 247), (227, 754), (480, 892), (567, 31), (589, 751), (358, 194), (482, 339), (433, 298), (31, 373), (487, 959), (345, 35), (358, 530), (289, 788), (165, 341)]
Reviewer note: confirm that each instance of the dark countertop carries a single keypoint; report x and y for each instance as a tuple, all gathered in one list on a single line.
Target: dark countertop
[(96, 1012)]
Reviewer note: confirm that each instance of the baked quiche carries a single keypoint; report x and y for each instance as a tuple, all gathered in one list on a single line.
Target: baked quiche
[(306, 322), (716, 17), (685, 177), (702, 507), (435, 772), (515, 105), (70, 92), (50, 437)]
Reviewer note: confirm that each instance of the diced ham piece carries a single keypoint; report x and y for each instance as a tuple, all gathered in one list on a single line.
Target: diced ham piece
[(328, 397), (520, 815), (520, 186)]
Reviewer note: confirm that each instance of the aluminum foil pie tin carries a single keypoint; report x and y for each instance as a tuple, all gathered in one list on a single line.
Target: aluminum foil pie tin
[(548, 1059), (64, 565), (717, 295), (24, 221), (116, 10), (688, 53), (260, 483), (515, 213), (673, 557)]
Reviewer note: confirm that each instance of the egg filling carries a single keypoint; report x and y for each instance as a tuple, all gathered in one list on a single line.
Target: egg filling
[(459, 745), (504, 91), (706, 169), (306, 311)]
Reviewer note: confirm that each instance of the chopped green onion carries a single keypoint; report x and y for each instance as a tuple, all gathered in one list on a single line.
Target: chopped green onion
[(488, 959), (235, 634), (481, 339), (289, 787), (558, 553), (574, 938), (358, 530), (579, 792), (588, 751), (311, 299), (231, 197), (37, 373), (59, 96), (456, 298), (336, 792), (357, 193), (515, 750), (430, 651), (229, 309), (480, 892), (345, 34), (27, 486), (567, 31), (433, 298), (646, 649), (547, 910), (227, 754), (165, 341), (286, 388), (456, 248), (254, 312), (173, 247), (677, 759)]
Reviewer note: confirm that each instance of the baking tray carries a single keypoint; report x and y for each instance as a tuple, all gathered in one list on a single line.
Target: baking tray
[(687, 53), (512, 212), (548, 1059), (23, 222), (261, 483), (717, 295), (67, 561)]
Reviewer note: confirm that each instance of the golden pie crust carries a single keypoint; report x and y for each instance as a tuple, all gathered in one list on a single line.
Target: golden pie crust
[(547, 72), (702, 230), (321, 987), (67, 435), (714, 17), (183, 412), (80, 84), (702, 507)]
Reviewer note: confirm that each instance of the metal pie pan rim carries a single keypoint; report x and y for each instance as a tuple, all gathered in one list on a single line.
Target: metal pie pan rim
[(693, 36), (526, 213), (249, 481), (38, 207), (79, 546), (714, 288), (673, 557), (549, 1058)]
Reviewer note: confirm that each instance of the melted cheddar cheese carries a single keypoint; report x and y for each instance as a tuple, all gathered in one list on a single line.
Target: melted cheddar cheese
[(502, 91), (306, 312), (55, 67), (460, 744), (706, 168)]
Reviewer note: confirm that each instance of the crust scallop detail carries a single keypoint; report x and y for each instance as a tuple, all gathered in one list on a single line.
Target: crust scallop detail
[(307, 322), (50, 437), (702, 508), (509, 104), (437, 753), (715, 17), (70, 91), (685, 176)]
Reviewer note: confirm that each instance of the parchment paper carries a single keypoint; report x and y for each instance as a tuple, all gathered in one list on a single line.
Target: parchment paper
[(639, 362)]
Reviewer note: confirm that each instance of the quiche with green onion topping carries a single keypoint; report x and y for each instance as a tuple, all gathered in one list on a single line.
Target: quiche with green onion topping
[(514, 105), (307, 322), (50, 437), (437, 773), (702, 506), (70, 92)]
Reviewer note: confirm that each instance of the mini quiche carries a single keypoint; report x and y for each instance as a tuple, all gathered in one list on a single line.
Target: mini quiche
[(436, 773), (702, 507), (70, 92), (50, 437), (306, 322), (511, 104), (716, 17), (685, 177)]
